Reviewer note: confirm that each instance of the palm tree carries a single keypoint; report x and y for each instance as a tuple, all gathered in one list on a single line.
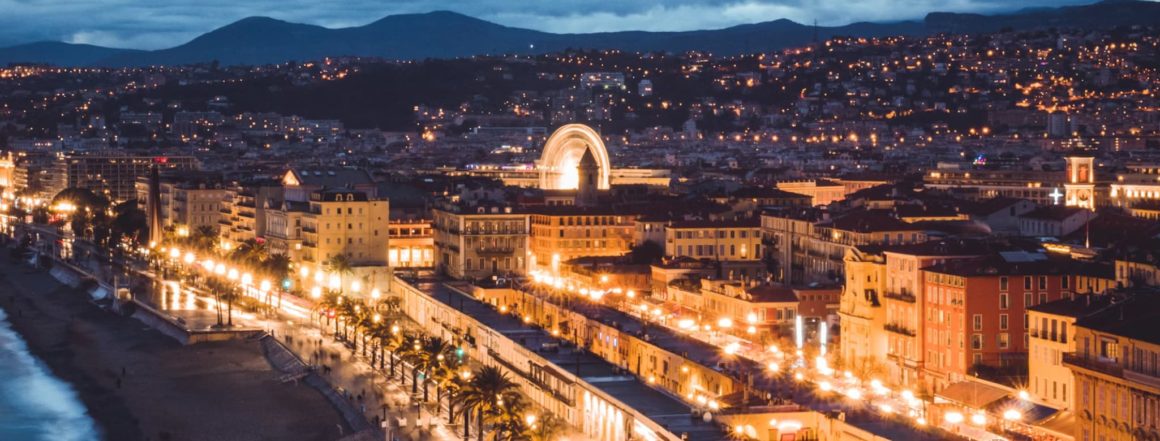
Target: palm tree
[(277, 265), (339, 264), (411, 351), (250, 250), (436, 353), (547, 428), (487, 392), (508, 421), (203, 238)]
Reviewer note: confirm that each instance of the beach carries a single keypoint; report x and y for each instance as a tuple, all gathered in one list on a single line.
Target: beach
[(138, 384)]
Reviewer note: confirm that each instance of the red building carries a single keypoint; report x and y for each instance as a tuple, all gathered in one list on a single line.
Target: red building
[(976, 319)]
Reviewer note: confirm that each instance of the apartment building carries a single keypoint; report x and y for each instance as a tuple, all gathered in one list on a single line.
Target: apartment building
[(480, 240)]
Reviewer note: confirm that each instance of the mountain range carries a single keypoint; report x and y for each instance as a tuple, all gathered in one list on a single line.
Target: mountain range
[(442, 34)]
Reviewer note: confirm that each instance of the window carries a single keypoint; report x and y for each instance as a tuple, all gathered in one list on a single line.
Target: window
[(1063, 283), (1042, 282), (1027, 300), (1042, 298), (977, 319), (977, 342), (1003, 300), (1002, 322), (1109, 349), (1004, 340), (1026, 282), (1003, 283)]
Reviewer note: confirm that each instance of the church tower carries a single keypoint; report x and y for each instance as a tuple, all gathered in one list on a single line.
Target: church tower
[(589, 172), (1080, 182)]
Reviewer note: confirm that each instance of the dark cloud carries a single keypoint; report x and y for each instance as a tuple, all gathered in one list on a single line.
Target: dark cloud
[(151, 24)]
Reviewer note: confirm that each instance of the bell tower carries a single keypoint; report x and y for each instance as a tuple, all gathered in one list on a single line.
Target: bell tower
[(589, 172), (1080, 182)]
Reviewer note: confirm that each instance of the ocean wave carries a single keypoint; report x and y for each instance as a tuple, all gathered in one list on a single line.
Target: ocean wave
[(35, 405)]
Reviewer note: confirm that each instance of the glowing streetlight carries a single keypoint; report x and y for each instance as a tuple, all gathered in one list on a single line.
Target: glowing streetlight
[(189, 258), (979, 419), (356, 286), (732, 348), (247, 279), (377, 318), (304, 271), (825, 386), (334, 282), (1012, 415), (376, 294), (316, 292), (725, 323), (953, 417), (264, 286)]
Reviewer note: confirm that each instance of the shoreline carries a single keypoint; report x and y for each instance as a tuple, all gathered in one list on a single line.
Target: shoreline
[(38, 330), (137, 384)]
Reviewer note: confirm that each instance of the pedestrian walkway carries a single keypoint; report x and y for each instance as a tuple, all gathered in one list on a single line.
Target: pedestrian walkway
[(368, 389)]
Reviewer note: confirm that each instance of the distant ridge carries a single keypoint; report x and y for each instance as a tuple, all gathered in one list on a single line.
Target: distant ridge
[(444, 34)]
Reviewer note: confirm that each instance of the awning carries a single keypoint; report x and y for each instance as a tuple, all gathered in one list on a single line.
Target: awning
[(971, 394), (1031, 412)]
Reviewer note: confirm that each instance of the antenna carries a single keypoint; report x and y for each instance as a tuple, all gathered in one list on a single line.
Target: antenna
[(815, 32)]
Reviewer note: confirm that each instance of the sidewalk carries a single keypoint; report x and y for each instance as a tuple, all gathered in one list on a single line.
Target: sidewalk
[(368, 388)]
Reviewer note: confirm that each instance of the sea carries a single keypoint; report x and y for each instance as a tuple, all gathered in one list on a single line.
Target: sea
[(35, 405)]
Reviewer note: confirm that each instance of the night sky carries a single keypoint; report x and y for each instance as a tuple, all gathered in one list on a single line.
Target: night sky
[(153, 24)]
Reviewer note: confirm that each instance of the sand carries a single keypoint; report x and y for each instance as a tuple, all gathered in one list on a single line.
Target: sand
[(218, 391)]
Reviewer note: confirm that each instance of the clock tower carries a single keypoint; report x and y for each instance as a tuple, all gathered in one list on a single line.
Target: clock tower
[(1080, 182)]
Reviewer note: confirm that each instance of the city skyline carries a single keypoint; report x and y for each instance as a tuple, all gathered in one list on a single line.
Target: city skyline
[(132, 25), (435, 227)]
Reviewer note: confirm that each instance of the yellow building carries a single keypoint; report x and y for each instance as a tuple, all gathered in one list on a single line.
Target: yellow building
[(345, 222), (189, 201), (863, 340), (565, 232), (717, 240), (822, 192), (1052, 334), (748, 306), (412, 244), (480, 241), (8, 176), (1116, 365)]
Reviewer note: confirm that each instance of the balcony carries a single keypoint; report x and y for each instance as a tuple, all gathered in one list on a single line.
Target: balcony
[(899, 329), (495, 250), (1104, 366), (902, 297)]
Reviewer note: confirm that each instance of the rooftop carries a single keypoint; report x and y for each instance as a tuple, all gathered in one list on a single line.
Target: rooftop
[(1133, 318)]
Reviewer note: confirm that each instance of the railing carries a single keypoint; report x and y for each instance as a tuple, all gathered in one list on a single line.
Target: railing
[(899, 329), (495, 250), (1093, 364), (905, 297)]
